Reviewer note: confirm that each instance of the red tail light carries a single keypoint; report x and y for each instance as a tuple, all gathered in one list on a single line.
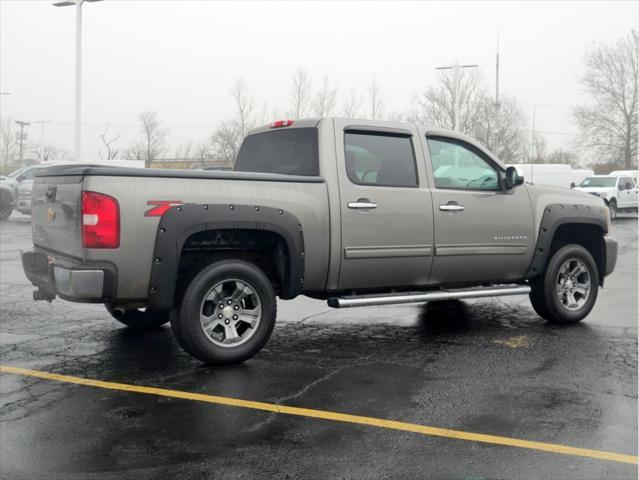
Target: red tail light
[(100, 221), (281, 123)]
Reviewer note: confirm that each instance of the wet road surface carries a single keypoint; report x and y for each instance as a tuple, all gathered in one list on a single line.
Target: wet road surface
[(486, 366)]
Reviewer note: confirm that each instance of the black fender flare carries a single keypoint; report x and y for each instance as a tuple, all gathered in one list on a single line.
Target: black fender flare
[(556, 215), (180, 222)]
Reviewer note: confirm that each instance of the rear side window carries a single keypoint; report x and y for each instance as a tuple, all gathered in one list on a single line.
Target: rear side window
[(380, 159), (288, 152)]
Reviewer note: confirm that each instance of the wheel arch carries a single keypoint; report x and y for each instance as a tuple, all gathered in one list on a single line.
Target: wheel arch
[(253, 233), (563, 224)]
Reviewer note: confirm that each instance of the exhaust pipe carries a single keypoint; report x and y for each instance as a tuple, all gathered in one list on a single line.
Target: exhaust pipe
[(418, 297)]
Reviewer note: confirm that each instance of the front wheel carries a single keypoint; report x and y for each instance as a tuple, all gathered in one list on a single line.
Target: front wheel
[(227, 313), (6, 208), (612, 206), (568, 289)]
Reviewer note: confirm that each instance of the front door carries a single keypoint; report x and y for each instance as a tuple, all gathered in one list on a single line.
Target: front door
[(481, 232), (386, 210)]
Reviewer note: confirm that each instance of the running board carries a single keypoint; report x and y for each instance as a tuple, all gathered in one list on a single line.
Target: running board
[(416, 297)]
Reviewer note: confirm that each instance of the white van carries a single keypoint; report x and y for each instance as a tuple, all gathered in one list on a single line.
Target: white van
[(558, 175)]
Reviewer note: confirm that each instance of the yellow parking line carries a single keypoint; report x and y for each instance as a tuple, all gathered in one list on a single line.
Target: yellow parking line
[(334, 416)]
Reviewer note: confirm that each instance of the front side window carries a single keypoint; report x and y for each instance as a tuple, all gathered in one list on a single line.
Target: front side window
[(380, 159), (626, 183), (457, 166)]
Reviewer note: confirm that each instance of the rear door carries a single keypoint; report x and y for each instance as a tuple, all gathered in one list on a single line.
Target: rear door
[(385, 207), (481, 232)]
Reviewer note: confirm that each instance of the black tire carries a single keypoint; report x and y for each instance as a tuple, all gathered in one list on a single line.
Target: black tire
[(187, 326), (140, 320), (5, 208), (544, 295), (612, 206)]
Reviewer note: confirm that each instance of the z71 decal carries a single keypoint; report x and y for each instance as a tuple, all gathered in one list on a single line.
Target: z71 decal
[(160, 207)]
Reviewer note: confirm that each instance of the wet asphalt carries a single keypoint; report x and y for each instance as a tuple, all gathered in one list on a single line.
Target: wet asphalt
[(488, 366)]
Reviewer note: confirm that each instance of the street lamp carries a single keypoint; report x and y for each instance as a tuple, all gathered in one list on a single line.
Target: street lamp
[(456, 68), (22, 137), (78, 68)]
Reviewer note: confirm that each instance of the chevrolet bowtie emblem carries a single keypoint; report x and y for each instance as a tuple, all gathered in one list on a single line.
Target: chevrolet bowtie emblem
[(51, 214)]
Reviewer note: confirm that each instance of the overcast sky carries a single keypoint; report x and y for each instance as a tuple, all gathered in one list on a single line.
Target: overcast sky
[(180, 57)]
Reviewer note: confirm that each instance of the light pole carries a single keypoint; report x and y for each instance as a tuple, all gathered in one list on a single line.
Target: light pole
[(456, 68), (78, 69), (22, 136)]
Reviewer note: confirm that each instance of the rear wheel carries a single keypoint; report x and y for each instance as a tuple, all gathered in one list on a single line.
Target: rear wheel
[(568, 289), (138, 319), (227, 313), (6, 207)]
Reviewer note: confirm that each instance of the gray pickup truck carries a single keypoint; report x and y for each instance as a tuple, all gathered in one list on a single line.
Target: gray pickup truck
[(351, 211)]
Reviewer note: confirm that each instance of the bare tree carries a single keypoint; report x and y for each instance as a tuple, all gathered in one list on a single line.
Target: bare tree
[(501, 129), (608, 126), (50, 153), (352, 104), (111, 152), (300, 93), (375, 99), (8, 144), (436, 105), (324, 101), (537, 150), (184, 151), (225, 142), (245, 106), (153, 144)]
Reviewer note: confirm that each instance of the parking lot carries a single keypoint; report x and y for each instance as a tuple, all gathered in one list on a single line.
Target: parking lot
[(383, 392)]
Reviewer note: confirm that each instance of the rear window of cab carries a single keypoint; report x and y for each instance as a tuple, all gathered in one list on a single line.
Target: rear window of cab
[(290, 152)]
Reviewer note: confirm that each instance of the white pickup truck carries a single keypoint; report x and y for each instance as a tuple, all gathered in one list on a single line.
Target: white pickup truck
[(619, 192)]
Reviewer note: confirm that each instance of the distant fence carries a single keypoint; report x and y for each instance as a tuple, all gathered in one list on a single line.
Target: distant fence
[(190, 163)]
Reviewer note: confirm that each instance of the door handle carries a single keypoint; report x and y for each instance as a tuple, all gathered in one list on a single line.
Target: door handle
[(362, 204), (451, 207)]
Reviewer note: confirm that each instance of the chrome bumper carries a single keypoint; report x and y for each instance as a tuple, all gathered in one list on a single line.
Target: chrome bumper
[(71, 281)]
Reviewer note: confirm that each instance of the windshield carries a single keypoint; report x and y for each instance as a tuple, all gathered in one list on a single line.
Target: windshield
[(17, 172), (599, 182)]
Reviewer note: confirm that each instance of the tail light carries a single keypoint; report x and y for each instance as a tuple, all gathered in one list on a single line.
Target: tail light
[(100, 221), (281, 123)]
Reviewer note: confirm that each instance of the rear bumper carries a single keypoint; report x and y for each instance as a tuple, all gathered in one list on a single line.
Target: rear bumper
[(68, 279), (24, 206), (611, 254)]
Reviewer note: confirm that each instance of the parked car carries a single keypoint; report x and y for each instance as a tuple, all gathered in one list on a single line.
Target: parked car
[(619, 192), (7, 199), (351, 211), (25, 179)]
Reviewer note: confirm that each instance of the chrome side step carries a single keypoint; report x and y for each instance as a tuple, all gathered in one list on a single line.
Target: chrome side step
[(417, 297)]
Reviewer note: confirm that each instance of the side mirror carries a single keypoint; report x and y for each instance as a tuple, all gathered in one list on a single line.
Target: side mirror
[(21, 177), (512, 178), (572, 185)]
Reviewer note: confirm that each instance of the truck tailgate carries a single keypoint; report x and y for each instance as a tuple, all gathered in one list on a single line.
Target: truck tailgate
[(56, 214)]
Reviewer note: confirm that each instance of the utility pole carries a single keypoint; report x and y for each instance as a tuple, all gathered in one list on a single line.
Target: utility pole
[(78, 69), (42, 123), (456, 68), (532, 149), (22, 137), (497, 75)]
